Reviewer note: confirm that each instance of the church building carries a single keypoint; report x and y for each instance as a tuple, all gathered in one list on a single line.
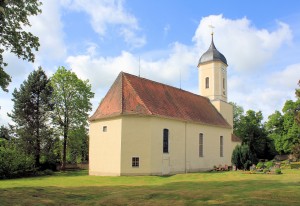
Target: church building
[(143, 127)]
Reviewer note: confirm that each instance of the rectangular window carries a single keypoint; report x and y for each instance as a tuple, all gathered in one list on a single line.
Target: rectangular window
[(221, 146), (166, 141), (200, 145), (104, 129), (135, 161), (223, 83)]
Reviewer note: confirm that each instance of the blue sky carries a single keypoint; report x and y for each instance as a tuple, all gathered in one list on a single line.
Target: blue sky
[(99, 38)]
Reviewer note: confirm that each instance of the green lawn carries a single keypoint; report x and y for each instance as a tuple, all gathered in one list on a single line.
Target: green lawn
[(227, 188)]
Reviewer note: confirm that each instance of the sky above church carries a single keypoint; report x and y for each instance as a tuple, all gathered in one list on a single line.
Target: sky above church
[(163, 41)]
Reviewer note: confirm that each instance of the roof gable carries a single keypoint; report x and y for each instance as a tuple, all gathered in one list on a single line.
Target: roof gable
[(135, 95)]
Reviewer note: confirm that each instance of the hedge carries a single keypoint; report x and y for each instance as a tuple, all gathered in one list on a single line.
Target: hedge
[(295, 165)]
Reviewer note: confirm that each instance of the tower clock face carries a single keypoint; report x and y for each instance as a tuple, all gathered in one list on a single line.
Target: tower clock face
[(223, 70)]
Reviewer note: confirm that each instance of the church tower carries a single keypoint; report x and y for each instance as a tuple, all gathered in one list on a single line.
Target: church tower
[(213, 80)]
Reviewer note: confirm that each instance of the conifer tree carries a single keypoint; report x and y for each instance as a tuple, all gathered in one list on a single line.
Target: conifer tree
[(31, 113)]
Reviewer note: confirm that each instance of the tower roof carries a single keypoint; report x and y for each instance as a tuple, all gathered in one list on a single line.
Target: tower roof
[(132, 95), (212, 54)]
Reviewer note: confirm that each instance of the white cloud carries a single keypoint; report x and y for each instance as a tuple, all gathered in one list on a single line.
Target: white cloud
[(247, 48), (49, 28), (107, 13), (101, 71), (270, 95), (5, 104), (287, 78)]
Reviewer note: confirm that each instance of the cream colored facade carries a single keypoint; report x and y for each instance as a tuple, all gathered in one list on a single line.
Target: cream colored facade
[(111, 151), (213, 85), (116, 143), (216, 72)]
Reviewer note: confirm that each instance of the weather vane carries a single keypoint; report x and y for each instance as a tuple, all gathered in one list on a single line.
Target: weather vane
[(212, 29)]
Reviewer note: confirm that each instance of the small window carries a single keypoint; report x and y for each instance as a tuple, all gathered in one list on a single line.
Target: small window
[(135, 161), (207, 82), (221, 146), (200, 145), (104, 129), (166, 141), (223, 83)]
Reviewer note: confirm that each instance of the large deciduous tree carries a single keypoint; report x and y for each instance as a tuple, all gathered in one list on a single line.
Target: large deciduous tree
[(13, 38), (71, 98), (31, 113), (238, 113), (252, 132), (297, 109), (283, 127)]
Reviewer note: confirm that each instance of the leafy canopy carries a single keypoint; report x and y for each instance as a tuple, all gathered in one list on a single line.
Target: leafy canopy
[(13, 38), (71, 99)]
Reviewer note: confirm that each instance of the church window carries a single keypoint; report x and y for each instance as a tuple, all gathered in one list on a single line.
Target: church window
[(221, 146), (207, 82), (200, 145), (135, 161), (104, 129), (166, 141)]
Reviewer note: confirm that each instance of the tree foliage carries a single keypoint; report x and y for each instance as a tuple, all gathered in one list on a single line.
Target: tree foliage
[(31, 113), (238, 113), (4, 133), (250, 129), (14, 163), (13, 38), (283, 127), (78, 145), (297, 109), (71, 98), (242, 157)]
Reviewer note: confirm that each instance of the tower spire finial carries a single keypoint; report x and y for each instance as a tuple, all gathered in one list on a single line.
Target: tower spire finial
[(212, 30)]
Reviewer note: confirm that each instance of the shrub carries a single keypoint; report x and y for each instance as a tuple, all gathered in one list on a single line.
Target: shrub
[(269, 164), (14, 163), (260, 165), (295, 165), (241, 157), (278, 171), (266, 170)]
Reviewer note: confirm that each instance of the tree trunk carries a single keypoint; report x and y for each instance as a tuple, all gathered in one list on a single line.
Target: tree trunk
[(37, 154), (38, 144), (63, 165)]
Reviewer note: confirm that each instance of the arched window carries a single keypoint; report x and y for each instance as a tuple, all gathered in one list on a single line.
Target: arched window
[(221, 146), (166, 141), (200, 145), (207, 82)]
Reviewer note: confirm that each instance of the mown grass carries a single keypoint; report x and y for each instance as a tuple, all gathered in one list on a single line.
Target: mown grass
[(227, 188)]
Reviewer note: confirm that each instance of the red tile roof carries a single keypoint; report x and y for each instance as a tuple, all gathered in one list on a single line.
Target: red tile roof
[(235, 138), (130, 94)]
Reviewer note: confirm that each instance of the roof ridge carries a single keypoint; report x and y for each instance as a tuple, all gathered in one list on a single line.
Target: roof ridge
[(135, 93), (182, 90)]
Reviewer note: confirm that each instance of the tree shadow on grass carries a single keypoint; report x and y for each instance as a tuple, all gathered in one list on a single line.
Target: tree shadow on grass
[(241, 192)]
